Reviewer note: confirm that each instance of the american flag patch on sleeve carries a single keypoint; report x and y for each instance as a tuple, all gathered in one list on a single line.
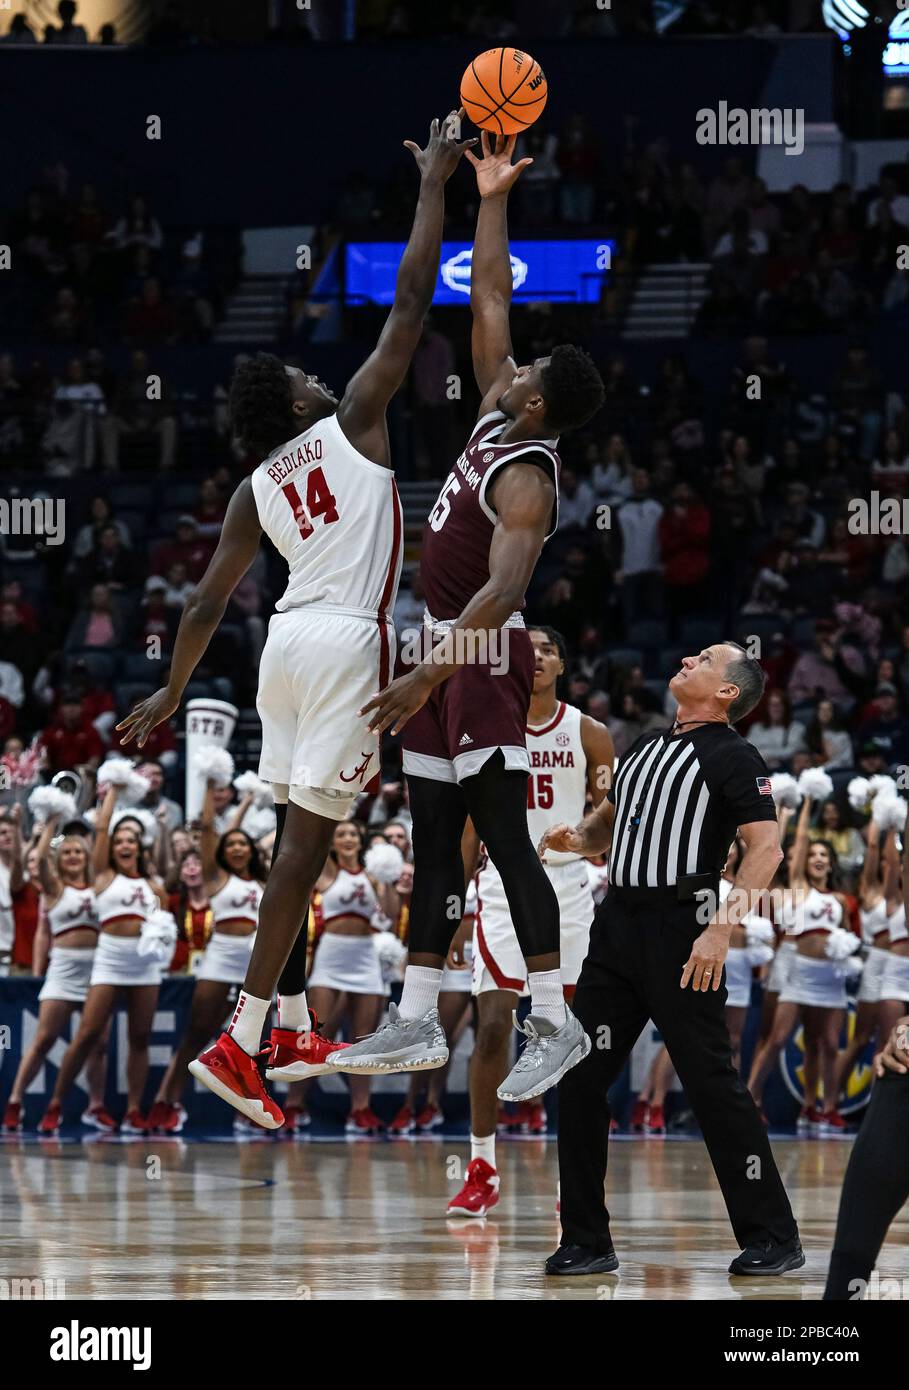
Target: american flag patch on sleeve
[(763, 786)]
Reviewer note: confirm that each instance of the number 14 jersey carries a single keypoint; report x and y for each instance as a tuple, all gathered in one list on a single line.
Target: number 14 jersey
[(335, 517)]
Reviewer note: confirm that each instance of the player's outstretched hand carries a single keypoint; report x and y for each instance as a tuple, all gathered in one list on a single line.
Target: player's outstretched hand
[(495, 171), (139, 724), (443, 150), (394, 705), (895, 1053), (562, 839)]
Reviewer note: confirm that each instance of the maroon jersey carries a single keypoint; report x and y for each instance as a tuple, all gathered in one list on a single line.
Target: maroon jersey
[(454, 564)]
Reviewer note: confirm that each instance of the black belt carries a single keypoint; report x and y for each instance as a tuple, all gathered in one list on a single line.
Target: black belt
[(689, 888)]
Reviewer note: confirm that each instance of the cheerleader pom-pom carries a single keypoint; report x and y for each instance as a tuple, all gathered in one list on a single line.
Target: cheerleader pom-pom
[(117, 772), (214, 764), (759, 953), (888, 812), (158, 936), (882, 785), (46, 802), (840, 944), (384, 863), (392, 955), (785, 790), (249, 784), (136, 790), (853, 967), (816, 784), (859, 793), (759, 932)]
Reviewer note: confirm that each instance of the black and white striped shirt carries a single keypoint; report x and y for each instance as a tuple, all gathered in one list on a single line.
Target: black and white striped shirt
[(679, 802)]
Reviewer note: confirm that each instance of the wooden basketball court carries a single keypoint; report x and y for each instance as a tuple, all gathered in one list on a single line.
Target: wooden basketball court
[(222, 1218)]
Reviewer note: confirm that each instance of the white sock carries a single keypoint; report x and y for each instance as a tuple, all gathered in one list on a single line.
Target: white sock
[(483, 1148), (248, 1021), (421, 991), (293, 1012), (546, 997)]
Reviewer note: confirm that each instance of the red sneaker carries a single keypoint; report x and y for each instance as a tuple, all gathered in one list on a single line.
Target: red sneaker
[(832, 1121), (430, 1117), (51, 1119), (639, 1116), (533, 1120), (614, 1128), (294, 1055), (363, 1122), (479, 1193), (507, 1120), (656, 1123), (98, 1118), (12, 1117), (813, 1120), (166, 1118), (235, 1076), (296, 1118), (134, 1122), (403, 1122)]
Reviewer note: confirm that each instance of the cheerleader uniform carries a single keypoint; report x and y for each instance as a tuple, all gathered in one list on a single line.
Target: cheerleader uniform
[(816, 983), (349, 963), (895, 979), (738, 964), (118, 960), (874, 928), (461, 981), (70, 967), (226, 957)]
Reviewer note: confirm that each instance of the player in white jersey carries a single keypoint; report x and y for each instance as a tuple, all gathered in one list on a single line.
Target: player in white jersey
[(325, 496), (571, 756)]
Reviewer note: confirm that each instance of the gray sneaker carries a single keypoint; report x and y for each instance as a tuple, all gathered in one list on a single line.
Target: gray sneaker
[(401, 1044), (549, 1053)]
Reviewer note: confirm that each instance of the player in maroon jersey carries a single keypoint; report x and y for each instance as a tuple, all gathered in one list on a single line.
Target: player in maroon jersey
[(465, 705)]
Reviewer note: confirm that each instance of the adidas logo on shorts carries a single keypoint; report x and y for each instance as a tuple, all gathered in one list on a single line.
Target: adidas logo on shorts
[(465, 738)]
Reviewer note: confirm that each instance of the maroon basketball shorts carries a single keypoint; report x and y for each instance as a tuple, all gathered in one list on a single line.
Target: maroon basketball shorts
[(480, 708)]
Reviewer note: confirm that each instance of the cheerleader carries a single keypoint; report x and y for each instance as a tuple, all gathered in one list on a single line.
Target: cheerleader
[(813, 915), (748, 947), (233, 880), (873, 915), (346, 979), (785, 945), (894, 986), (135, 933), (68, 928)]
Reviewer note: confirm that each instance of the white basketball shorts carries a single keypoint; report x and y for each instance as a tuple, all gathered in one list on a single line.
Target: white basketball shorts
[(497, 959)]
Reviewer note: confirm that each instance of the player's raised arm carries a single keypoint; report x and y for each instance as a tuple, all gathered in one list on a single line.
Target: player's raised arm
[(237, 547), (490, 269), (361, 413)]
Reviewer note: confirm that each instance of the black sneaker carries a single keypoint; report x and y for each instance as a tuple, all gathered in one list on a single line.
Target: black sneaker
[(769, 1257), (578, 1259)]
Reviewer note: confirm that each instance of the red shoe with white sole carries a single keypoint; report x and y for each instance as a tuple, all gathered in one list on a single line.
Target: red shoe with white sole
[(430, 1117), (363, 1122), (51, 1119), (403, 1122), (166, 1118), (639, 1116), (99, 1118), (480, 1192), (296, 1119), (235, 1076), (134, 1122), (832, 1122), (295, 1055), (12, 1117), (656, 1121), (533, 1120)]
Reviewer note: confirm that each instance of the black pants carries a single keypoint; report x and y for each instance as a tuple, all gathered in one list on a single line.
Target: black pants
[(876, 1185), (631, 974)]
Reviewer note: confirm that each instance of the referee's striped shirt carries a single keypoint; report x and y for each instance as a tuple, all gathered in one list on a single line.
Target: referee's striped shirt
[(679, 802)]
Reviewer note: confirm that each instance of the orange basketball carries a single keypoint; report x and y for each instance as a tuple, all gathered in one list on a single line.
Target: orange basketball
[(504, 90)]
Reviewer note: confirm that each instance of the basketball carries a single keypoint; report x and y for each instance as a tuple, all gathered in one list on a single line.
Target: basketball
[(504, 90)]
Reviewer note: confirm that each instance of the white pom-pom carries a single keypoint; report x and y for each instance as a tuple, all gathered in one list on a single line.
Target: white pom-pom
[(882, 785), (249, 784), (116, 772), (392, 955), (759, 953), (785, 790), (145, 819), (816, 784), (859, 793), (158, 936), (854, 967), (136, 790), (758, 931), (840, 944), (384, 863), (214, 764), (45, 802), (888, 812)]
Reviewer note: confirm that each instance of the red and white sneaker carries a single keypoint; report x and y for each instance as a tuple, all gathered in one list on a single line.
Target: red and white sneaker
[(134, 1122), (97, 1117), (296, 1119), (430, 1117), (656, 1122), (51, 1119), (166, 1118), (639, 1117), (813, 1120), (480, 1192), (12, 1117), (403, 1122), (535, 1121), (832, 1122), (295, 1055), (235, 1076), (363, 1122)]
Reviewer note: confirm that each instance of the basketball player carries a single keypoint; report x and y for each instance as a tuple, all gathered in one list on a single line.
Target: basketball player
[(464, 748), (570, 754), (326, 498)]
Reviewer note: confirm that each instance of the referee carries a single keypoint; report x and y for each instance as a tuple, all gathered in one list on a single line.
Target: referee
[(657, 947)]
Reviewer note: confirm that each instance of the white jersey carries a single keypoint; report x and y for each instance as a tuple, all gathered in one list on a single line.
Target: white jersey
[(75, 908), (557, 786), (812, 912), (874, 921), (237, 901), (335, 517)]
